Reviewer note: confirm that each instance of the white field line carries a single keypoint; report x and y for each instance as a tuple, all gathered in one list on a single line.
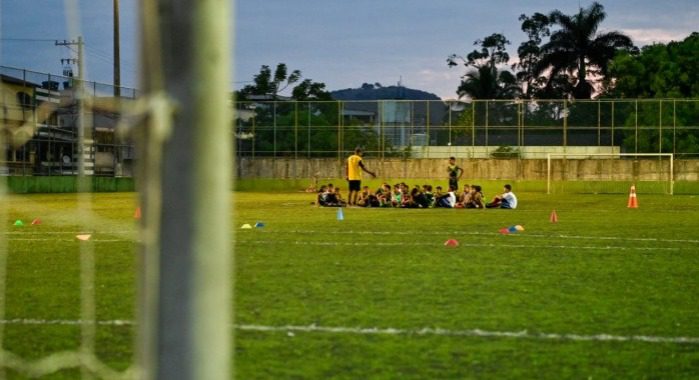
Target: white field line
[(38, 232), (479, 245), (345, 232), (427, 331), (74, 239), (475, 233), (66, 322)]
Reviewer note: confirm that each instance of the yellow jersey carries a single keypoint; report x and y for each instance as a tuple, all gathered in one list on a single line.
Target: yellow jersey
[(354, 172)]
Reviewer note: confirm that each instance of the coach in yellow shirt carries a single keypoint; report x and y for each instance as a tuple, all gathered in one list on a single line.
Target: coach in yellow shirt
[(353, 174)]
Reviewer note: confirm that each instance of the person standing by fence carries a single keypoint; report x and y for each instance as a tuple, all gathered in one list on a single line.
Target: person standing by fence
[(353, 174), (455, 173)]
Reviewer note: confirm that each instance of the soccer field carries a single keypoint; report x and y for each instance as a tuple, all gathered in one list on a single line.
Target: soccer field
[(607, 292)]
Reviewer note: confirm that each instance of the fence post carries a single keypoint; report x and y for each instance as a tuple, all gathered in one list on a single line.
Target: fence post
[(274, 130), (660, 126), (636, 126), (473, 127), (486, 124), (339, 136), (565, 123), (613, 106), (599, 123), (674, 126), (427, 127), (309, 130)]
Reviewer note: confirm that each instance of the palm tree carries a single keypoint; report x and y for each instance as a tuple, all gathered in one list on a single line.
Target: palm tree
[(578, 49), (487, 82)]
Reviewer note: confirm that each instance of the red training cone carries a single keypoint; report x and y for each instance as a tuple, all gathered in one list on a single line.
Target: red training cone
[(554, 217), (451, 243), (36, 221), (633, 200)]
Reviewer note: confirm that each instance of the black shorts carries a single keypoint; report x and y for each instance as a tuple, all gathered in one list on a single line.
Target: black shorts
[(355, 185), (454, 182)]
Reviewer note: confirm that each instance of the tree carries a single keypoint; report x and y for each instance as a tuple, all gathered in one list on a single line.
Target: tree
[(657, 71), (577, 50), (309, 90), (485, 80), (270, 85)]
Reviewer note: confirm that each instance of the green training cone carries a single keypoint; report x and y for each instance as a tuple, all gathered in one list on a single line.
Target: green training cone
[(18, 222)]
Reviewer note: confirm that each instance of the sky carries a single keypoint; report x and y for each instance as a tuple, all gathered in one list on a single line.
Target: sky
[(342, 43)]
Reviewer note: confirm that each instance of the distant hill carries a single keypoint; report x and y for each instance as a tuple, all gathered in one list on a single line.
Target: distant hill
[(378, 92)]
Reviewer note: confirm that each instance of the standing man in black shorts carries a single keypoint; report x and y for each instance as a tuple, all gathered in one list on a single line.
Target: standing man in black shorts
[(455, 173), (353, 174)]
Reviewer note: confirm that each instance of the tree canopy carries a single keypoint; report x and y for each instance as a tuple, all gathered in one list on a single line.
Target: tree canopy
[(577, 49), (269, 84), (486, 79), (657, 71)]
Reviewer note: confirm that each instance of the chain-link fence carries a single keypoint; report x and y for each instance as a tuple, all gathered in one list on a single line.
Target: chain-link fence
[(41, 115), (484, 128), (41, 112)]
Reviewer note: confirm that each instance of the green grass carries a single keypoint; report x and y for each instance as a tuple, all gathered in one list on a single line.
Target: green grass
[(603, 269)]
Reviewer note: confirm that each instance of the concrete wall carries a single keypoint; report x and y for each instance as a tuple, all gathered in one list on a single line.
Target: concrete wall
[(485, 169)]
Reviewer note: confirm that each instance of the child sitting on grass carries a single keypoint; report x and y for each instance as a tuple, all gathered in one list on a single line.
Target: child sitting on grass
[(447, 200), (507, 199), (476, 198)]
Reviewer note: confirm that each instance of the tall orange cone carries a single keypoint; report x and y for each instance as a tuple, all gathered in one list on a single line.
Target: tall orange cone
[(137, 213), (554, 217), (633, 200)]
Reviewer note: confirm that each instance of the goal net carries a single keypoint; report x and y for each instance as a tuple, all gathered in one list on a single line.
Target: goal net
[(609, 173)]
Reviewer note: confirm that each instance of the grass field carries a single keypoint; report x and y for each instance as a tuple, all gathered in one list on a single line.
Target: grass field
[(607, 292)]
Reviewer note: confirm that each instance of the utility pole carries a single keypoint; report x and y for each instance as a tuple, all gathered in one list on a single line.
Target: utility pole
[(78, 61), (79, 93), (117, 52)]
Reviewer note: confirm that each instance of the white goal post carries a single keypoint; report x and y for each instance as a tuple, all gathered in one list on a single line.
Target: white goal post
[(611, 156)]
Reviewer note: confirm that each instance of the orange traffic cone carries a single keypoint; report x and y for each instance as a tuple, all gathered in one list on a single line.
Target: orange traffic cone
[(137, 213), (633, 201), (554, 217)]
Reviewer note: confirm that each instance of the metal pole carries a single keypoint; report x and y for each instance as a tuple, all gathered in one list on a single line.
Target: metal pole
[(117, 51), (548, 173), (636, 126), (194, 306), (274, 130), (660, 127), (473, 126), (339, 136), (674, 126), (296, 135), (309, 130), (599, 123), (486, 124), (565, 123), (613, 104), (427, 126)]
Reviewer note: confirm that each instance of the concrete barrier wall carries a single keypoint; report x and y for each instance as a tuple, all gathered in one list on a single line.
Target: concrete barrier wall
[(486, 169)]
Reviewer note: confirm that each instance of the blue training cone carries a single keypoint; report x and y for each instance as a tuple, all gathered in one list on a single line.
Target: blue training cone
[(340, 214)]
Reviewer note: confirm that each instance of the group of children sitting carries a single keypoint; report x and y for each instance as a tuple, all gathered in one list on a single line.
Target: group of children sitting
[(401, 195)]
